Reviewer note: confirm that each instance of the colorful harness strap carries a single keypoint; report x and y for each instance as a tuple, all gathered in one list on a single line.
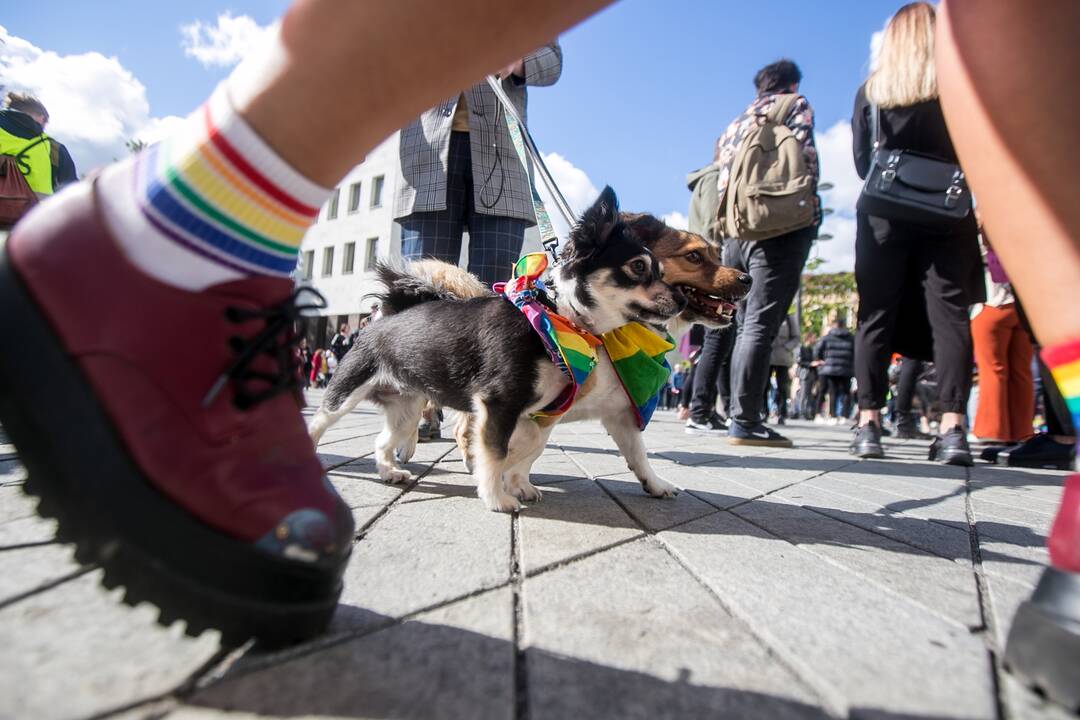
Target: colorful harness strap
[(572, 349), (638, 356)]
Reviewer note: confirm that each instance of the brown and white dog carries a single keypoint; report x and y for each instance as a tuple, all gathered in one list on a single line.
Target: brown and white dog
[(687, 261)]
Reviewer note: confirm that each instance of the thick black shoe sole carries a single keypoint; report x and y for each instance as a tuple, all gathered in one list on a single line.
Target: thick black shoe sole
[(1044, 642), (85, 479), (959, 458)]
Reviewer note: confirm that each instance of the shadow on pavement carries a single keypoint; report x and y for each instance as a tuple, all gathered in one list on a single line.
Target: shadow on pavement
[(422, 669)]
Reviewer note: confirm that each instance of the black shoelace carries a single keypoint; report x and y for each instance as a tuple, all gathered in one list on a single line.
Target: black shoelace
[(277, 339)]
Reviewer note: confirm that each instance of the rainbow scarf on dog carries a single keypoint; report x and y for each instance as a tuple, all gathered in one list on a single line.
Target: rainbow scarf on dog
[(572, 349), (638, 356)]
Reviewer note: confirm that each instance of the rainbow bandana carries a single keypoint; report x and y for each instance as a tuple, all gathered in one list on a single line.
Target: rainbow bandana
[(572, 349), (638, 356)]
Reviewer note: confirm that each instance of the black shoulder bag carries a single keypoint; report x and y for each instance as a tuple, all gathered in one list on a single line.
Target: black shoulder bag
[(911, 187)]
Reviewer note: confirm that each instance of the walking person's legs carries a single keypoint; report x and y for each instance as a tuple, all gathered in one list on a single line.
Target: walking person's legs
[(1021, 393), (775, 266), (703, 415), (1000, 66), (206, 497), (992, 335)]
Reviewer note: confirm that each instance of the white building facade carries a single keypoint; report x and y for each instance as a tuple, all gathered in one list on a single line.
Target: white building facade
[(354, 230)]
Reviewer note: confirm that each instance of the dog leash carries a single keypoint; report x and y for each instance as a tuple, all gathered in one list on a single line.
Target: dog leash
[(526, 147)]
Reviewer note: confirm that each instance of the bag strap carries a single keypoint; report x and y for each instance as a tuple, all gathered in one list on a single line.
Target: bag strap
[(875, 125), (24, 167)]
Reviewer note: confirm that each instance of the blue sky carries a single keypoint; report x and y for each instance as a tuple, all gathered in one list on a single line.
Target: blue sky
[(646, 88)]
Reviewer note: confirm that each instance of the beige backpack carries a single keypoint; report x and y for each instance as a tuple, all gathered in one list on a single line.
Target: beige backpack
[(770, 192)]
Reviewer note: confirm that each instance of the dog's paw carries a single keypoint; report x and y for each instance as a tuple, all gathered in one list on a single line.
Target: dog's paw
[(526, 491), (502, 502), (395, 476), (659, 488), (467, 463)]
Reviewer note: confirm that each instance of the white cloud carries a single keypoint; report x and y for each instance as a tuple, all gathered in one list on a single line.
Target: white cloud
[(95, 104), (838, 168), (225, 42), (676, 220), (575, 186)]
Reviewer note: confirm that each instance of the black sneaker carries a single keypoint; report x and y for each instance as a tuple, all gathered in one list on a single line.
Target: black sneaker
[(758, 434), (713, 425), (1041, 451), (867, 442), (952, 448)]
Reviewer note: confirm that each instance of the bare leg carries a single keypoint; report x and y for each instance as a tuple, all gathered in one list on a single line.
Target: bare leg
[(1002, 68), (628, 439), (351, 73)]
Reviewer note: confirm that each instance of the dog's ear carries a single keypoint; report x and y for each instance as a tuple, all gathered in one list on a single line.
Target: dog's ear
[(596, 224)]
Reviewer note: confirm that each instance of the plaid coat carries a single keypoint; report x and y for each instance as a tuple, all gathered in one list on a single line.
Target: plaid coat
[(501, 186)]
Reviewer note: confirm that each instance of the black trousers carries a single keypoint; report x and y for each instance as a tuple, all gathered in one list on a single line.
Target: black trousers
[(711, 365), (776, 266), (889, 259), (839, 389), (910, 369), (783, 389)]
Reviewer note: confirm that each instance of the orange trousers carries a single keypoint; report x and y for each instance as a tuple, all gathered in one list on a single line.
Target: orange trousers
[(1003, 354)]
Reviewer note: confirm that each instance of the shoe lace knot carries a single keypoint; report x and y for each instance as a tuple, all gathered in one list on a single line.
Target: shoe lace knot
[(277, 339)]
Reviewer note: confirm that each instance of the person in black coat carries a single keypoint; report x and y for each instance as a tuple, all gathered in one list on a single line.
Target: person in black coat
[(915, 283), (836, 354)]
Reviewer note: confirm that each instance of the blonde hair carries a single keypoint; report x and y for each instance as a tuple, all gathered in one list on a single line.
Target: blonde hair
[(904, 73)]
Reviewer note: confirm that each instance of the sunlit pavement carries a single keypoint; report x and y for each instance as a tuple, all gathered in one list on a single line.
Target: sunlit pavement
[(779, 583)]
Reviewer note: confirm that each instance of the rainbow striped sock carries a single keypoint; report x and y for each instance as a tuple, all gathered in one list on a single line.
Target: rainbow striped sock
[(1064, 363), (212, 203)]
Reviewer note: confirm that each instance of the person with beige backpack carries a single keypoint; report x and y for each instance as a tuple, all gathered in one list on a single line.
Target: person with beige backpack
[(768, 214)]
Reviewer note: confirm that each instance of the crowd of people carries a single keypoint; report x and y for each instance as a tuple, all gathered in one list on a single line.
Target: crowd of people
[(934, 303), (228, 473)]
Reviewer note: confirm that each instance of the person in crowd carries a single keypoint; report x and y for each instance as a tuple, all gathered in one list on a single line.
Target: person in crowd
[(807, 402), (341, 342), (775, 264), (305, 363), (686, 396), (780, 361), (904, 376), (1003, 354), (836, 353), (915, 282), (708, 370), (45, 163)]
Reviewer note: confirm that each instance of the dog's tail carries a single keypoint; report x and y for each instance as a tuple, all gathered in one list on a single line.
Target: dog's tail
[(424, 281)]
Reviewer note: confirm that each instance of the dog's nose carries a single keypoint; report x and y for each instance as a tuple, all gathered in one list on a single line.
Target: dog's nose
[(746, 280)]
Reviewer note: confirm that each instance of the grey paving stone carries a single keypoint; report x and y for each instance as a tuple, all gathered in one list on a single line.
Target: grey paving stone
[(15, 504), (423, 553), (940, 586), (455, 662), (574, 518), (654, 513), (629, 634), (1005, 599), (935, 538), (849, 631), (74, 651), (553, 467), (360, 487), (26, 569), (27, 530), (1013, 562), (597, 462), (11, 470)]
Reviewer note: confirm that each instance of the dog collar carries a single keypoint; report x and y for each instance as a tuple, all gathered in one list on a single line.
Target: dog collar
[(638, 356), (572, 349)]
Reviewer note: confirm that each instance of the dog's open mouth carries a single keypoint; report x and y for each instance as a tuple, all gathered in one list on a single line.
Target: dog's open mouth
[(707, 304)]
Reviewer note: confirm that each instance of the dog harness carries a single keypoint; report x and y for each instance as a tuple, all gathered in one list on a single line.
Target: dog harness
[(636, 352), (572, 349)]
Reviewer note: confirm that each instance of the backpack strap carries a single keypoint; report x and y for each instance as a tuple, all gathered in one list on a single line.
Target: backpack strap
[(24, 167)]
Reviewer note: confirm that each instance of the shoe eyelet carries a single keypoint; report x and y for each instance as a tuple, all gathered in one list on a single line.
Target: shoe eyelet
[(236, 343)]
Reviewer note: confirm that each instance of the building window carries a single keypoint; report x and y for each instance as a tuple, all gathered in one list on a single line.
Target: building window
[(327, 261), (372, 253), (308, 268), (349, 259), (354, 197), (331, 208), (376, 191)]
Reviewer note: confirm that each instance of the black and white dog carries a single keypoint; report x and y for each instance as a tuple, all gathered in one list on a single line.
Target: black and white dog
[(480, 355)]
